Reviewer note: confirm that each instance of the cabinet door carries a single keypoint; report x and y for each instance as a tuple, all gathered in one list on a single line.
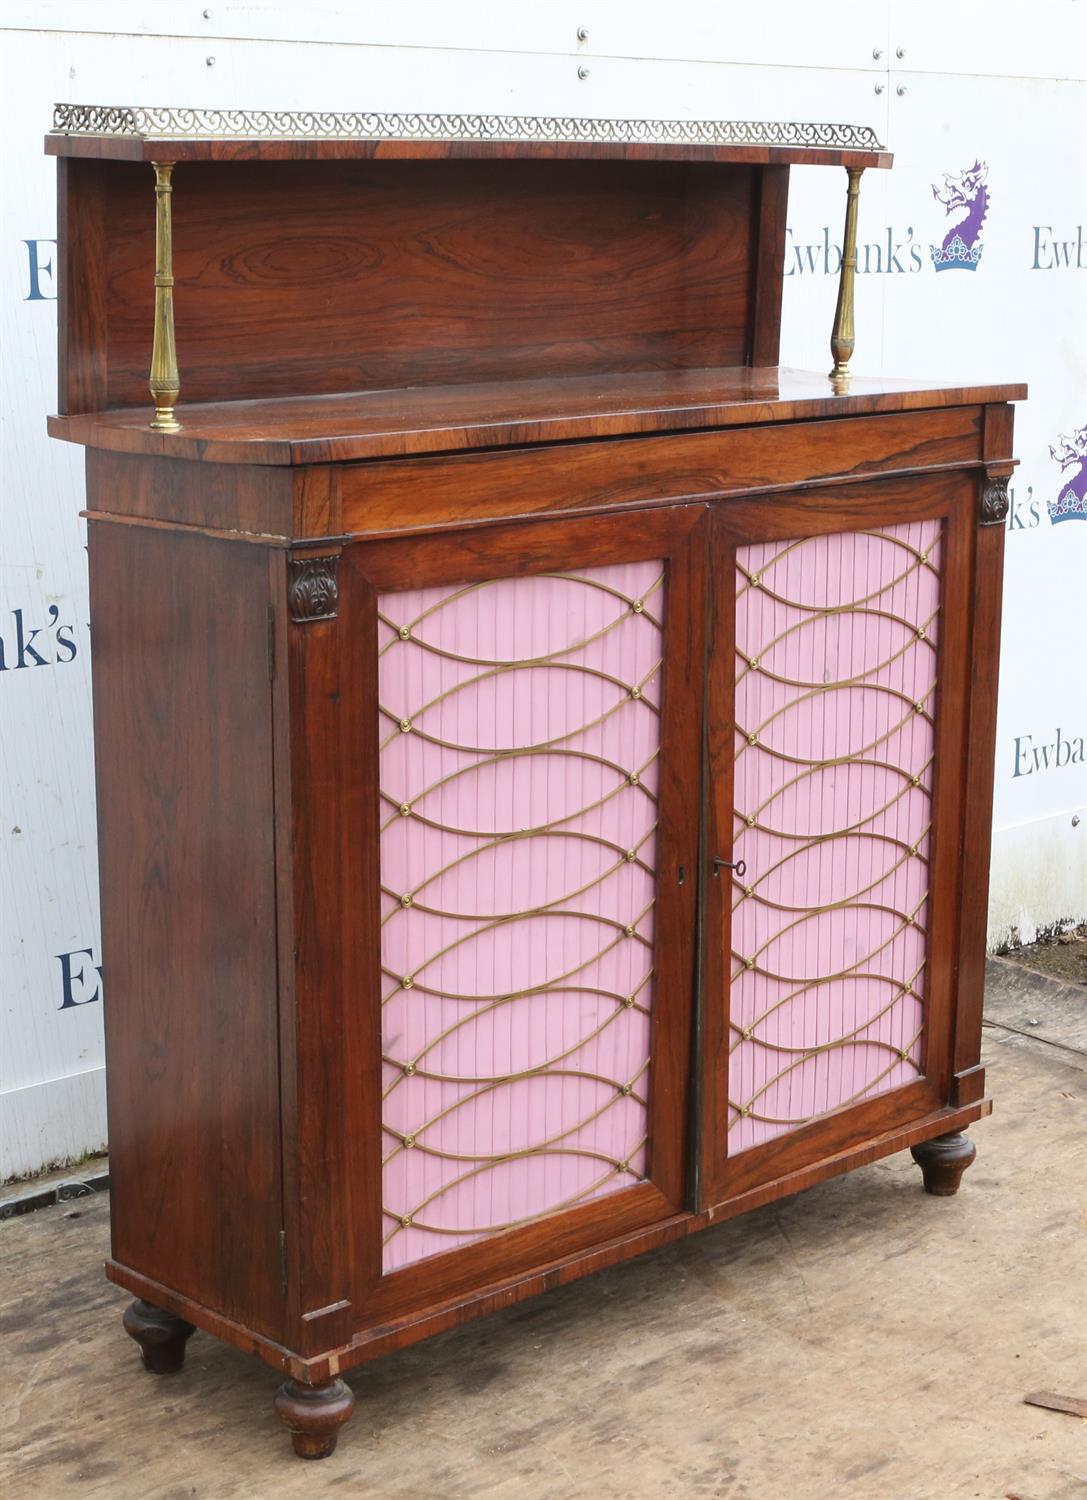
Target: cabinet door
[(537, 754), (836, 702)]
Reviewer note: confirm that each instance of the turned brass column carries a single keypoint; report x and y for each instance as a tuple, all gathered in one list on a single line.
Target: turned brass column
[(841, 339), (165, 382)]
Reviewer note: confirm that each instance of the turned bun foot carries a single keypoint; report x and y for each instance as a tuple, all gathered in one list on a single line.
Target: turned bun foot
[(314, 1414), (161, 1335), (943, 1161)]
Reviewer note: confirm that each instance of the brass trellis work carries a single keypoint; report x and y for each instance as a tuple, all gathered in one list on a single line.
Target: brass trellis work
[(842, 337), (165, 382)]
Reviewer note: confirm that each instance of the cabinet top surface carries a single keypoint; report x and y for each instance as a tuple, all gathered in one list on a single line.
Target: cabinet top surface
[(444, 418), (138, 133)]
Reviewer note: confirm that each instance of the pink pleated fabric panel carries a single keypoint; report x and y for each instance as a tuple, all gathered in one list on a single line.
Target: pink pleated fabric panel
[(519, 729), (835, 699)]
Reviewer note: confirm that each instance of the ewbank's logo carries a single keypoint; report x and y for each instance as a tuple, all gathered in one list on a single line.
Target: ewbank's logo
[(965, 194), (1071, 502)]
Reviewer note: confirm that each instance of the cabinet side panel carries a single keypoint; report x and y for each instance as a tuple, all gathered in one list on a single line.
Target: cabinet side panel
[(81, 286), (184, 775), (836, 659), (520, 743)]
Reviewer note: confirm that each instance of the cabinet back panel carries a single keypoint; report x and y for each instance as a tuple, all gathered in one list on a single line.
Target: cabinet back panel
[(836, 652), (300, 278), (520, 729)]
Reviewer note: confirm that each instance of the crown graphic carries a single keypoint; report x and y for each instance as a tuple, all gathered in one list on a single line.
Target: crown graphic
[(956, 255), (1071, 502)]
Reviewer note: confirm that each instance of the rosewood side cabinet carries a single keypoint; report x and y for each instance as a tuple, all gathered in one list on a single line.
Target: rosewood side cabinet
[(544, 748)]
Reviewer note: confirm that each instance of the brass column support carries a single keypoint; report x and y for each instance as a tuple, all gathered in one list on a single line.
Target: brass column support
[(842, 339), (165, 382)]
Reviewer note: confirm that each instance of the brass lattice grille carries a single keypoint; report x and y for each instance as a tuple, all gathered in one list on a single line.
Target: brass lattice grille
[(519, 745), (835, 704)]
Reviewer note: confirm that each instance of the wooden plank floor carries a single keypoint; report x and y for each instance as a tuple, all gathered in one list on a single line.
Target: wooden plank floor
[(861, 1342)]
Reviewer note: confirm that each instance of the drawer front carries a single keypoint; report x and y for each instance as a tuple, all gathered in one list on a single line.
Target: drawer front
[(836, 700), (473, 489)]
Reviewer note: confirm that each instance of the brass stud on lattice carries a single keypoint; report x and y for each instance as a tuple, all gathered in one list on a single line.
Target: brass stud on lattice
[(629, 1002), (631, 856), (407, 982), (628, 931), (749, 963), (627, 1088), (745, 1033), (756, 579), (753, 738), (406, 899), (744, 1111), (904, 1053), (637, 606), (405, 1222), (919, 707), (748, 890), (405, 809), (914, 848), (752, 661), (636, 693), (750, 820), (409, 1070), (920, 632), (404, 632), (405, 726), (622, 1166), (915, 781), (633, 778), (409, 1141)]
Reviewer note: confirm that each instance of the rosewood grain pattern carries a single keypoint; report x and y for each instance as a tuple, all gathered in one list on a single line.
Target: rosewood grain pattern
[(768, 250), (328, 914), (470, 489), (380, 424), (184, 774), (955, 495), (461, 490), (256, 503), (980, 752), (318, 279), (121, 148), (491, 1296), (82, 237)]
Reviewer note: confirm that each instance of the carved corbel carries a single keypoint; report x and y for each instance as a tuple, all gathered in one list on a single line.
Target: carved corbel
[(993, 510), (312, 590)]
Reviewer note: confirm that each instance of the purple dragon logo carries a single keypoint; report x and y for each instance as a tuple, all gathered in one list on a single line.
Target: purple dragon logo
[(968, 195), (1071, 503)]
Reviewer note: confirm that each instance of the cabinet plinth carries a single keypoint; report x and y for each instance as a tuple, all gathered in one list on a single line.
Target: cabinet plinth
[(530, 725)]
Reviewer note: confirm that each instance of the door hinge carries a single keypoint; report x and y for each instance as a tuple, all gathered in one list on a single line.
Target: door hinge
[(283, 1261), (271, 643)]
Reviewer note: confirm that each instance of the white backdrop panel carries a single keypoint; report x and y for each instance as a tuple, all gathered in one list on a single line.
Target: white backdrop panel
[(982, 83)]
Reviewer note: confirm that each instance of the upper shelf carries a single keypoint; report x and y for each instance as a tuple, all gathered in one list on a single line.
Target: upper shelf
[(448, 418), (134, 133)]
